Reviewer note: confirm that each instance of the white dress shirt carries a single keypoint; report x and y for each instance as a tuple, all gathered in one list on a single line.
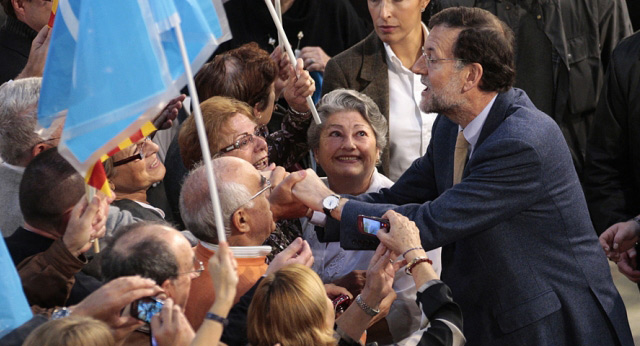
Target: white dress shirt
[(472, 132), (409, 127)]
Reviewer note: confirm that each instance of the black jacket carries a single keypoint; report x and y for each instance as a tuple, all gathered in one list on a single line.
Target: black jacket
[(15, 45), (612, 173)]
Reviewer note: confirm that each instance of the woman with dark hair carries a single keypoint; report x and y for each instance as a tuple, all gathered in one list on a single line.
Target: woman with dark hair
[(380, 67), (250, 75)]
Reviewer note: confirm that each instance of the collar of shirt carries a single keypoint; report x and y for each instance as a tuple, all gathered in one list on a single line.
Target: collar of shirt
[(392, 59), (12, 167), (472, 131)]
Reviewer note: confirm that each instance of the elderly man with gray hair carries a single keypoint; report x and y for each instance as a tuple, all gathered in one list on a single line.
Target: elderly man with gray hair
[(248, 222), (19, 144)]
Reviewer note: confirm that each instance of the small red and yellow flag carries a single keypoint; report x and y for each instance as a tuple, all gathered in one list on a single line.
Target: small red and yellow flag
[(52, 17), (144, 131)]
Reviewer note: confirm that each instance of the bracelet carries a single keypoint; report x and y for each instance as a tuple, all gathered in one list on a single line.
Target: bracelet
[(59, 313), (413, 248), (366, 308), (299, 113), (219, 319), (414, 263)]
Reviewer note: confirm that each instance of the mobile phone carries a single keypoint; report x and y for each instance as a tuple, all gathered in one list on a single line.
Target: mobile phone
[(144, 308), (340, 304), (370, 225)]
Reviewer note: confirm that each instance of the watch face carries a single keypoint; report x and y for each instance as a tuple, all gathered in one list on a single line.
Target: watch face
[(330, 202)]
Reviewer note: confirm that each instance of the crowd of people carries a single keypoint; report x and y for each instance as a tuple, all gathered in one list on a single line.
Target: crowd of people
[(494, 145)]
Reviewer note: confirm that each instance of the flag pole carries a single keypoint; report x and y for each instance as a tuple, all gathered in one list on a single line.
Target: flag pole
[(292, 57), (279, 12), (202, 136)]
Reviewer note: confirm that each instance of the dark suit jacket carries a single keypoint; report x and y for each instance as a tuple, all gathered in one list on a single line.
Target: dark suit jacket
[(519, 251), (363, 68)]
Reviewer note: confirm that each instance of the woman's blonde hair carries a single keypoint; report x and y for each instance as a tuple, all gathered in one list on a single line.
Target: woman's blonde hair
[(289, 307), (71, 331)]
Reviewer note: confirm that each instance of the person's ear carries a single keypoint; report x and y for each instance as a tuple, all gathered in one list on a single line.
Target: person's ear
[(473, 76), (18, 8), (257, 112), (169, 288), (38, 149), (240, 220)]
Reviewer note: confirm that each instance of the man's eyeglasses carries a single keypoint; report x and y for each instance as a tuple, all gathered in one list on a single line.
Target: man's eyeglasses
[(267, 185), (198, 268), (139, 156), (244, 140), (430, 61)]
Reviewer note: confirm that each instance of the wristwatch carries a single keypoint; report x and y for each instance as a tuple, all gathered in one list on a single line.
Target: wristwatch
[(330, 203)]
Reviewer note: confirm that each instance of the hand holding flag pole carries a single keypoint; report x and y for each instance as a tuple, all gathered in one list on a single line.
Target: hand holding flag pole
[(292, 57)]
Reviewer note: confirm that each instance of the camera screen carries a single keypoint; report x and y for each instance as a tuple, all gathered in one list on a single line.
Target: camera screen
[(371, 226), (147, 308)]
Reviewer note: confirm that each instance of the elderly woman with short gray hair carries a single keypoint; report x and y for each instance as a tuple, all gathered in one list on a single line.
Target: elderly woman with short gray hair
[(348, 145)]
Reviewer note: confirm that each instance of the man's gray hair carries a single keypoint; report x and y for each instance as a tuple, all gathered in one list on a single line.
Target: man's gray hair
[(196, 208), (18, 118), (341, 100)]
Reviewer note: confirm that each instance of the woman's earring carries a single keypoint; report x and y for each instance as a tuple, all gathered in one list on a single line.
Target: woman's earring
[(422, 10)]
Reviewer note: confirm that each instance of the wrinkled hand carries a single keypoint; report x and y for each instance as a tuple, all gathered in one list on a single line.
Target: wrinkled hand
[(165, 119), (297, 252), (223, 268), (619, 238), (311, 191), (354, 281), (402, 235), (284, 205), (107, 302), (627, 265), (334, 291), (298, 88), (282, 60), (37, 55), (315, 59), (170, 327), (86, 223), (275, 174), (380, 275)]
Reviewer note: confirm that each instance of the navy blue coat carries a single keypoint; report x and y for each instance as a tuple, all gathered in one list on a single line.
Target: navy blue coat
[(519, 250)]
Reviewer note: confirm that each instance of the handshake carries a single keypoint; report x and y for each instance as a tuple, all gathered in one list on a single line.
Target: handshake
[(618, 242)]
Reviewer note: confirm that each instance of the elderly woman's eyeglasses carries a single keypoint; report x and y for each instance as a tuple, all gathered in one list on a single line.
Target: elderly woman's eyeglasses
[(430, 61), (244, 140), (138, 156)]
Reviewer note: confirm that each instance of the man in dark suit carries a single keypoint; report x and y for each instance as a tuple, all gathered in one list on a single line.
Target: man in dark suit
[(497, 189)]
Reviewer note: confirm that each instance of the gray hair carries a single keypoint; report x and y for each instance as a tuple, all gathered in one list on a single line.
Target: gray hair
[(18, 118), (341, 100), (196, 208)]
